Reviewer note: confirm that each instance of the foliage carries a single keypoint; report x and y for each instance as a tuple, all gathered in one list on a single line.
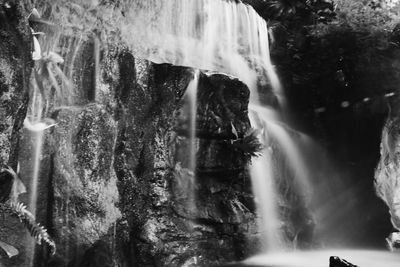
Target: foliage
[(37, 231), (81, 18), (249, 144), (294, 12), (46, 73), (362, 16), (316, 10), (10, 250)]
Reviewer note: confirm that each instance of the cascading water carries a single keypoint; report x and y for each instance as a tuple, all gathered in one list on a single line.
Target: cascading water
[(280, 133), (191, 93), (36, 127), (261, 172), (222, 36), (45, 94), (226, 37), (192, 97)]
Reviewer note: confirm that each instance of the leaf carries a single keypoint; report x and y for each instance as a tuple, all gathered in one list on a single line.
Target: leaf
[(36, 54), (35, 15), (234, 131), (11, 185), (250, 144), (18, 186), (10, 250), (54, 57), (38, 232)]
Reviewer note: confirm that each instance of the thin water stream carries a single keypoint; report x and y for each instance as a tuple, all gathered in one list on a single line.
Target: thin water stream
[(191, 93)]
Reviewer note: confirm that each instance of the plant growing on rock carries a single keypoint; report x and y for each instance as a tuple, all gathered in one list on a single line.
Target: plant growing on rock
[(46, 73), (249, 144), (11, 187)]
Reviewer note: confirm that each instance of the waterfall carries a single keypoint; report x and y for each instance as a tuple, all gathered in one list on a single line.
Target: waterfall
[(223, 36), (262, 176), (191, 93), (226, 37), (36, 169), (192, 97), (36, 126)]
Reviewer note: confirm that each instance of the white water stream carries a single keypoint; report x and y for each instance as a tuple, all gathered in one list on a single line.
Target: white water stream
[(226, 37)]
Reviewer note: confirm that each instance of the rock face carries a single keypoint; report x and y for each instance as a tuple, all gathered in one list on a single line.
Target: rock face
[(114, 179), (387, 180), (15, 69), (386, 176), (83, 180)]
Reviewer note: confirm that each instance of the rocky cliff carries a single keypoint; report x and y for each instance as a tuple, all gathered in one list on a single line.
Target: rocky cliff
[(113, 183)]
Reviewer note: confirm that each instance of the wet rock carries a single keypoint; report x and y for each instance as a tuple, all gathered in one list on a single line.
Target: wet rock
[(393, 241), (6, 182), (97, 256), (338, 262), (15, 69), (112, 183), (219, 203), (387, 179), (83, 181)]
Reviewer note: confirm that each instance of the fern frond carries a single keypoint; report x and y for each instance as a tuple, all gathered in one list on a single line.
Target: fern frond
[(250, 144), (37, 231)]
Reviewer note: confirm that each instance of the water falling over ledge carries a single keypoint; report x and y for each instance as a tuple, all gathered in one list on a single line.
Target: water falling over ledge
[(224, 36)]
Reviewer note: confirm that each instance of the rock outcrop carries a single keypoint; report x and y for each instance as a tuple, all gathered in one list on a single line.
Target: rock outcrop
[(387, 179), (114, 171), (15, 69)]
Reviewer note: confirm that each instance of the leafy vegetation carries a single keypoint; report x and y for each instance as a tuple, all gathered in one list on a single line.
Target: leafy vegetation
[(250, 144), (9, 191), (37, 231), (373, 17)]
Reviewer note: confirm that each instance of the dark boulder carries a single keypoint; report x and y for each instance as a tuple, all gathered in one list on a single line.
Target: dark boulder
[(335, 261)]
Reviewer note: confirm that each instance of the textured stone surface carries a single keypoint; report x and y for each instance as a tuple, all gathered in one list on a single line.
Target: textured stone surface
[(83, 178), (114, 178), (387, 179), (15, 68)]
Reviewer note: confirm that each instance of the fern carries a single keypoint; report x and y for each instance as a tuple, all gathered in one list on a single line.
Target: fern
[(37, 231), (250, 144)]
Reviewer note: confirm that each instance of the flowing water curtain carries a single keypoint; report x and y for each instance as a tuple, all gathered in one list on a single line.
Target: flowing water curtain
[(222, 36)]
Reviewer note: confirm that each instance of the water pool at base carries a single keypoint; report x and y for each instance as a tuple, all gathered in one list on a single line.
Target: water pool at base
[(320, 258)]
